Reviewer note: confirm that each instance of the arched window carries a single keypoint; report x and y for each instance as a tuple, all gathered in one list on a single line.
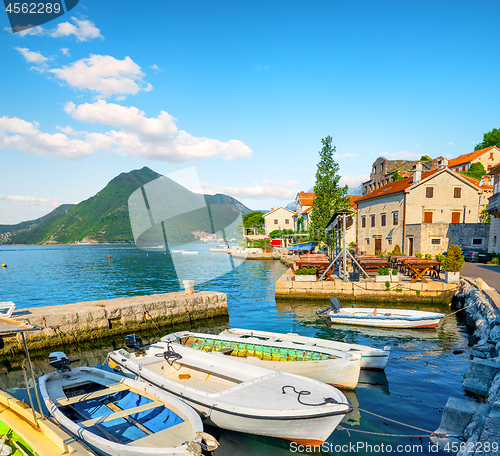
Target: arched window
[(494, 241)]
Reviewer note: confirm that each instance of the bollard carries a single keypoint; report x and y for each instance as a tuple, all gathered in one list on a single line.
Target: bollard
[(188, 286)]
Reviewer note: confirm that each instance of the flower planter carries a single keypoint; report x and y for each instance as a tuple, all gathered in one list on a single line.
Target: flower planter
[(382, 278), (452, 277), (306, 278), (395, 278)]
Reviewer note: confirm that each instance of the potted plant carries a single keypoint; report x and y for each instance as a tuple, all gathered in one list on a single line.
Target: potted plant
[(394, 275), (383, 275), (306, 275), (453, 264)]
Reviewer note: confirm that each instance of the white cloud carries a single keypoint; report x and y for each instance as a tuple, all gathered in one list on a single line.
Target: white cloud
[(450, 144), (83, 30), (65, 51), (155, 67), (403, 154), (259, 191), (290, 183), (354, 181), (32, 201), (151, 138), (32, 56), (69, 131), (17, 134), (348, 154), (104, 75)]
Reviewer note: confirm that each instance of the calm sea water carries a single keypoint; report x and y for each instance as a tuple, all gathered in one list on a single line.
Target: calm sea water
[(420, 376)]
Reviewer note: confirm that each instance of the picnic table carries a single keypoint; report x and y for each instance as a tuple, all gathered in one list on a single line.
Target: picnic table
[(321, 264), (419, 267), (372, 263)]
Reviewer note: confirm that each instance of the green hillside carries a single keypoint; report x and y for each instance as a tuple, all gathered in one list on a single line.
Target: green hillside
[(57, 213), (104, 217)]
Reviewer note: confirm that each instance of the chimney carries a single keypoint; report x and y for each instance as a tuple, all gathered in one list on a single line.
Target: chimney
[(443, 163), (417, 172), (272, 208)]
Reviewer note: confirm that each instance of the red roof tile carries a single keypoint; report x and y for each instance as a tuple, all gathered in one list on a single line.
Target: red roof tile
[(467, 157), (306, 198)]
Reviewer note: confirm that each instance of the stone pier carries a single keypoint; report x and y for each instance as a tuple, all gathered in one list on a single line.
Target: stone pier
[(71, 323)]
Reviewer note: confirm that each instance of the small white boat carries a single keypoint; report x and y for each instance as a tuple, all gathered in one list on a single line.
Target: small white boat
[(239, 396), (189, 252), (327, 365), (387, 318), (7, 309), (177, 251), (117, 416), (371, 358)]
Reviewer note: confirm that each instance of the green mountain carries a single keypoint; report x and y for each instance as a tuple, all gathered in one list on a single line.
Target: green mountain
[(104, 218)]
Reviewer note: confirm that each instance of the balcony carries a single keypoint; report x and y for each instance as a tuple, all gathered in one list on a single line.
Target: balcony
[(494, 205)]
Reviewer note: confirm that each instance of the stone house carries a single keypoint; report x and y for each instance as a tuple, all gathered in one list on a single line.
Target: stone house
[(494, 211), (489, 157), (423, 213), (384, 171), (278, 219), (303, 202)]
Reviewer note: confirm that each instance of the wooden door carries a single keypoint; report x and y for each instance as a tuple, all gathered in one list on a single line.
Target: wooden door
[(410, 246), (455, 217), (378, 245)]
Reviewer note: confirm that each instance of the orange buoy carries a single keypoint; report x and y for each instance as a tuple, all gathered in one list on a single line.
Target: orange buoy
[(109, 257)]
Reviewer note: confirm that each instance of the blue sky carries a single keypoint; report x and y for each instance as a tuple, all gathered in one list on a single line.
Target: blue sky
[(243, 91)]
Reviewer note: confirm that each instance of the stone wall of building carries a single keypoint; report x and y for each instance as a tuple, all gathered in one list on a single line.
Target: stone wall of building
[(437, 237), (443, 202), (494, 238), (278, 219), (390, 234)]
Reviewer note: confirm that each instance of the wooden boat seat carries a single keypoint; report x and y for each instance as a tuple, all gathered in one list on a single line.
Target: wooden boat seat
[(175, 436), (120, 414), (110, 389)]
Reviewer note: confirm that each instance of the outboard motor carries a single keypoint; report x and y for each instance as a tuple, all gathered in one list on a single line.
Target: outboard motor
[(334, 306), (59, 361), (134, 342)]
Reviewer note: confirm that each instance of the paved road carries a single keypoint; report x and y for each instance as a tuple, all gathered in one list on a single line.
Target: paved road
[(489, 273)]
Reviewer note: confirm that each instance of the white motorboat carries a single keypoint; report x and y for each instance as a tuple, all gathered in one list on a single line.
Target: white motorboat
[(239, 396), (327, 365), (118, 416), (371, 358), (387, 318), (189, 252)]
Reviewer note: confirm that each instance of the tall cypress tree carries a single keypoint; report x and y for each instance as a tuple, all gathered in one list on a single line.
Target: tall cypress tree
[(330, 196)]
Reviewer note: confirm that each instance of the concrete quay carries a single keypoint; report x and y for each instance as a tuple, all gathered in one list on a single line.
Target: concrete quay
[(429, 293), (476, 427), (71, 323)]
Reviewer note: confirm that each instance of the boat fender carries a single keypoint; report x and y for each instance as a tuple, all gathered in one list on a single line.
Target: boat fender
[(4, 266), (375, 312), (210, 444)]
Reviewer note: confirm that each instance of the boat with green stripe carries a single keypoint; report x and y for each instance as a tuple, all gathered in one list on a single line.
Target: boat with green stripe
[(328, 365)]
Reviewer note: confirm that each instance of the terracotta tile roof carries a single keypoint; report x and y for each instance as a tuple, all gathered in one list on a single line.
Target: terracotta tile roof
[(495, 170), (309, 209), (468, 157), (306, 198), (403, 184), (353, 199)]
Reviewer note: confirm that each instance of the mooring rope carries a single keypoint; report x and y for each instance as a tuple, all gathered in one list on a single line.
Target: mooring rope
[(331, 400)]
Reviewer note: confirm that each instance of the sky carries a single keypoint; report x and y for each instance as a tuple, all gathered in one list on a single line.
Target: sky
[(242, 91)]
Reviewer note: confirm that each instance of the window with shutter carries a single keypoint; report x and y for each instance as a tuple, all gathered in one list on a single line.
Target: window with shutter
[(457, 192), (395, 218), (429, 192), (373, 220), (275, 221), (382, 219), (455, 217), (427, 217), (363, 222)]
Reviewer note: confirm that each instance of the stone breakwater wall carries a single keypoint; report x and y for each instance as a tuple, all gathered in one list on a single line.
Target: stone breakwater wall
[(429, 293), (70, 323), (477, 424)]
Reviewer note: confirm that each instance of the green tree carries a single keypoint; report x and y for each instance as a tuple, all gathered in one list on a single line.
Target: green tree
[(253, 219), (492, 138), (485, 216), (329, 195), (476, 171), (396, 176), (425, 158)]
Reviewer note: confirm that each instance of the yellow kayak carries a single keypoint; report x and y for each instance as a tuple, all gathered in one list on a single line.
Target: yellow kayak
[(20, 435)]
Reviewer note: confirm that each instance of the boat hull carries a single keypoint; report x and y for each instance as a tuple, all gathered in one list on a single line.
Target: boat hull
[(371, 358), (258, 405), (386, 318), (105, 446)]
